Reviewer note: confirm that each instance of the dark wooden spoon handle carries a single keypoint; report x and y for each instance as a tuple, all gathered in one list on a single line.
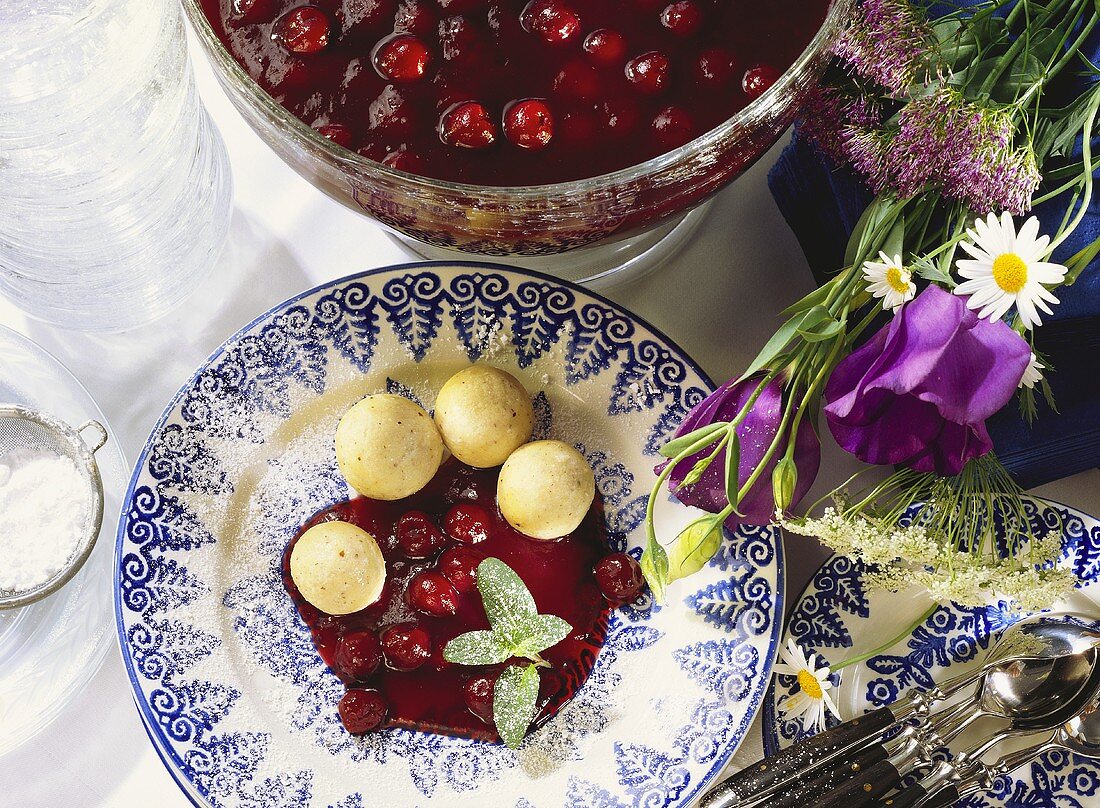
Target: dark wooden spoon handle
[(800, 759), (804, 791), (904, 799), (944, 798), (865, 789)]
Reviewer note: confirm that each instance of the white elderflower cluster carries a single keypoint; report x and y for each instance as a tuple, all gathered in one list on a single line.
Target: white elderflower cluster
[(899, 556)]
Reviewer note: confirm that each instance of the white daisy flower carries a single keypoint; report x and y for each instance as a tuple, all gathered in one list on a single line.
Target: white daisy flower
[(889, 279), (812, 698), (1034, 373), (1006, 270)]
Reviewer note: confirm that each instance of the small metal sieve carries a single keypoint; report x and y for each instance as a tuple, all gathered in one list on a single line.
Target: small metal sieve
[(21, 428)]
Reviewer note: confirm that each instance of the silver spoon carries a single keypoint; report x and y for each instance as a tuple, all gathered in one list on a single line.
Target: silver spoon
[(1034, 695), (967, 775), (1037, 637)]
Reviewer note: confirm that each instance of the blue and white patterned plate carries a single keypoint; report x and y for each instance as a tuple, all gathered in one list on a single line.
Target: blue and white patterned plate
[(836, 617), (233, 694)]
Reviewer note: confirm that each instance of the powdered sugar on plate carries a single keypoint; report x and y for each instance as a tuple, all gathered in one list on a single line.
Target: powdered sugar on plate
[(45, 505), (669, 694)]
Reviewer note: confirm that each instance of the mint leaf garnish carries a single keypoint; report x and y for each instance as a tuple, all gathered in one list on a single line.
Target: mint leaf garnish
[(535, 634), (515, 701), (518, 630), (477, 648), (504, 594)]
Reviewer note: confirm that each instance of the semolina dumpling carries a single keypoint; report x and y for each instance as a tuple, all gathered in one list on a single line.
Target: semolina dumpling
[(484, 414), (545, 489), (387, 447), (338, 567)]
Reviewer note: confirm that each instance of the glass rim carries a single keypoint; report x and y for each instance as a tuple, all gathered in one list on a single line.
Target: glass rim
[(835, 16)]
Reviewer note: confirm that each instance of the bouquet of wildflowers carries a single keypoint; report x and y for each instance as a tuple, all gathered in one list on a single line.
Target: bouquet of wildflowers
[(928, 329)]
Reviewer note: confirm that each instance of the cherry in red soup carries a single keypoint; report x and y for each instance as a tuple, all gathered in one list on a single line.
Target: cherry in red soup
[(514, 92), (390, 655)]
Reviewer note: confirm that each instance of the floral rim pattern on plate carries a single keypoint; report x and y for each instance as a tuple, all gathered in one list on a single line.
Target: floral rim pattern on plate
[(209, 637)]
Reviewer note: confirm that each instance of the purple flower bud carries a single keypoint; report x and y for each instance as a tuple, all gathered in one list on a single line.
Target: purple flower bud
[(919, 392), (755, 435)]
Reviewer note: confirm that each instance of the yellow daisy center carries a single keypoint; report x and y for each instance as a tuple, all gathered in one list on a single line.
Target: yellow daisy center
[(809, 685), (895, 276), (1010, 272)]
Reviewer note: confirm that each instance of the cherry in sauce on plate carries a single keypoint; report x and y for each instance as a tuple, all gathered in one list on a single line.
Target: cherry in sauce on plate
[(514, 92), (390, 655)]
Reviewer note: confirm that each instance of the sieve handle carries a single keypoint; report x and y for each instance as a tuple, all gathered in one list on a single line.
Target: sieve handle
[(100, 434)]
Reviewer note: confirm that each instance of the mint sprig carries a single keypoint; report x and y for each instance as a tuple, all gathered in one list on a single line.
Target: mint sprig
[(515, 701), (517, 630)]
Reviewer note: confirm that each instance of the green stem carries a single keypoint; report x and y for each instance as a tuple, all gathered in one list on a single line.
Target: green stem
[(1074, 50), (1021, 42), (886, 646), (662, 478), (704, 464), (1086, 159), (1061, 189), (759, 470)]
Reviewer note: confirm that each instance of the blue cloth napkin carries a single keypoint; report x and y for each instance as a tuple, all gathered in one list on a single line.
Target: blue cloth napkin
[(822, 204)]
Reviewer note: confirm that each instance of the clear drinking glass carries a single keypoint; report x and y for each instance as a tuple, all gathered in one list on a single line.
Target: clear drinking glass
[(115, 187)]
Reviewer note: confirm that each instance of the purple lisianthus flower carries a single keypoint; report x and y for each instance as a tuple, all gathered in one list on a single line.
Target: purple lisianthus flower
[(755, 435), (919, 392)]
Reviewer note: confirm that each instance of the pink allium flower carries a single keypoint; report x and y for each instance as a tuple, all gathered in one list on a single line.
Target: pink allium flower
[(1007, 181), (831, 116), (944, 141), (867, 153), (936, 135), (887, 42)]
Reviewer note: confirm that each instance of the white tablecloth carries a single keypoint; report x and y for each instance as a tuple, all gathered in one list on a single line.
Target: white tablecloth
[(718, 299)]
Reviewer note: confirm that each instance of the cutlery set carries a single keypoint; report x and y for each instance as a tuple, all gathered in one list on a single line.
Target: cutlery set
[(1041, 681)]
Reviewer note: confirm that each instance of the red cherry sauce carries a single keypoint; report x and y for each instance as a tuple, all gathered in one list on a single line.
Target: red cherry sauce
[(432, 697), (609, 75)]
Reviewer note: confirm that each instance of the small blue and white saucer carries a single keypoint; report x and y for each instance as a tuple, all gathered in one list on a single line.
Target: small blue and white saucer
[(837, 617)]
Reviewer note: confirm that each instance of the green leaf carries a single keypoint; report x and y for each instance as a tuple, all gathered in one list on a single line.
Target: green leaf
[(518, 629), (1044, 45), (823, 332), (931, 272), (677, 445), (1024, 72), (817, 296), (946, 28), (894, 243), (814, 318), (478, 648), (773, 346), (533, 635), (655, 569), (1068, 126), (808, 324), (504, 594), (733, 468), (694, 547), (871, 218), (1079, 261), (958, 54), (515, 702)]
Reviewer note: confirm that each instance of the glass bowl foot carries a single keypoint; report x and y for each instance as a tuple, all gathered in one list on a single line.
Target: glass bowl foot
[(600, 266)]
